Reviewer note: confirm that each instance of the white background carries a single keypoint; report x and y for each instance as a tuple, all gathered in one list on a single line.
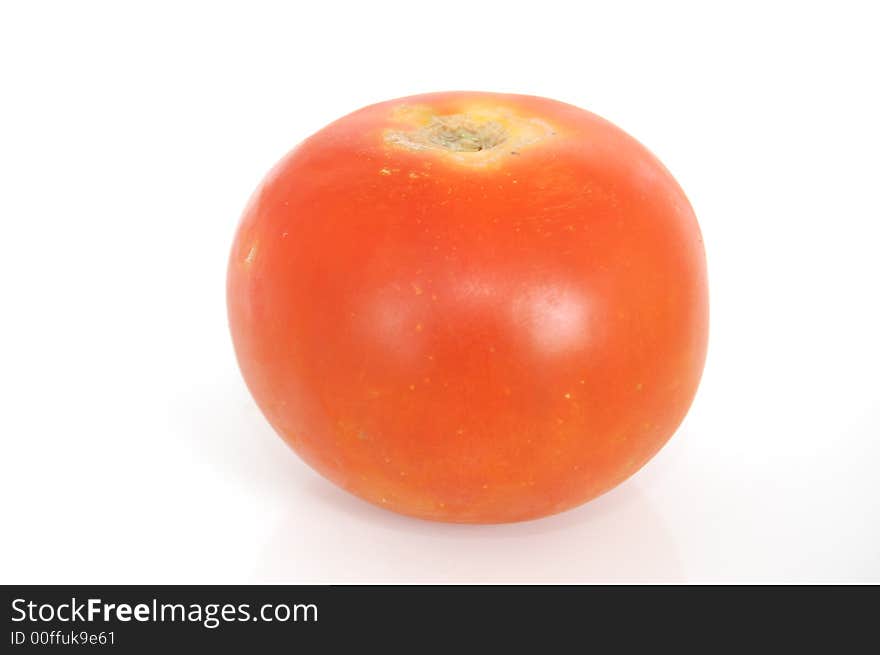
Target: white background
[(131, 135)]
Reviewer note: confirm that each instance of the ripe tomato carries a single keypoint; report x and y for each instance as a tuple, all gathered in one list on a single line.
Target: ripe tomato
[(471, 307)]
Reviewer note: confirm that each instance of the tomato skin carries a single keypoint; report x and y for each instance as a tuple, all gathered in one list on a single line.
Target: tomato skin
[(468, 343)]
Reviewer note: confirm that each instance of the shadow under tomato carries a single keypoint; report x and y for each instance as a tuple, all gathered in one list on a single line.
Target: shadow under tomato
[(328, 536), (618, 537), (223, 425)]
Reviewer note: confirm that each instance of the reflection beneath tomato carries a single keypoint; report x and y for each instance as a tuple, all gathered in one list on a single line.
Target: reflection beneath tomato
[(617, 538)]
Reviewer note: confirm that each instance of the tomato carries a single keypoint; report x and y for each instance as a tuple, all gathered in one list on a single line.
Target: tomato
[(471, 307)]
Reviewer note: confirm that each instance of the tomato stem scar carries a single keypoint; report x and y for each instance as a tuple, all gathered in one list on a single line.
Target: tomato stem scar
[(477, 136), (456, 133)]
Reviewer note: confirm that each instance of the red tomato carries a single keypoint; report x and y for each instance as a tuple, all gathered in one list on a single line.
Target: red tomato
[(471, 307)]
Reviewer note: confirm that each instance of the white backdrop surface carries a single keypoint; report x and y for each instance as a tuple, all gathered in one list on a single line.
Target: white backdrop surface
[(130, 139)]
